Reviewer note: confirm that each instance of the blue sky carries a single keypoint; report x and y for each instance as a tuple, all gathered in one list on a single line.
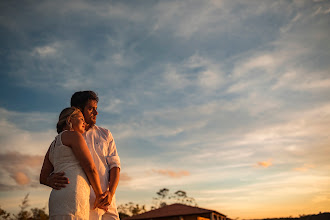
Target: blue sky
[(227, 100)]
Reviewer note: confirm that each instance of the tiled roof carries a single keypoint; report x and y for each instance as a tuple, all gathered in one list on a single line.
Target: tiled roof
[(172, 210)]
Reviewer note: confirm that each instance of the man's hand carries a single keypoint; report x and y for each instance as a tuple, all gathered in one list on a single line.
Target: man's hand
[(107, 195), (98, 201), (57, 180)]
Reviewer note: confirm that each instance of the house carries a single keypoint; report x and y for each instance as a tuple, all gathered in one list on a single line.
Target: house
[(179, 212)]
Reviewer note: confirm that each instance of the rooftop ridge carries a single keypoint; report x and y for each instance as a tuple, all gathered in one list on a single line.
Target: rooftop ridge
[(173, 210)]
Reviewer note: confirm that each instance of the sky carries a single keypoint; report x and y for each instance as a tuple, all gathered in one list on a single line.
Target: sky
[(226, 100)]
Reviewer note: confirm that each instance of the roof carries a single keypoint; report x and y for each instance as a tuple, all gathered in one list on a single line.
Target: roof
[(172, 210)]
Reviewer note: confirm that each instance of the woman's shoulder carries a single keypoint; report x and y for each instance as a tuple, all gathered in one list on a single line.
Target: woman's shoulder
[(68, 137)]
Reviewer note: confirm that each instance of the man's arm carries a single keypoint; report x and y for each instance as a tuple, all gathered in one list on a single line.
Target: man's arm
[(113, 183), (113, 162), (53, 180)]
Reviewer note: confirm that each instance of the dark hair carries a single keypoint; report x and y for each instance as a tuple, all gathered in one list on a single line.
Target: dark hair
[(80, 99), (63, 118)]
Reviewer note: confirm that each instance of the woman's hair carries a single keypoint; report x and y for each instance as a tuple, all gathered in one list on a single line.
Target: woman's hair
[(63, 118)]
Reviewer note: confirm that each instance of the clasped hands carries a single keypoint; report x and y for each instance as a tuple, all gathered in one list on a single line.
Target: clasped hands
[(103, 201)]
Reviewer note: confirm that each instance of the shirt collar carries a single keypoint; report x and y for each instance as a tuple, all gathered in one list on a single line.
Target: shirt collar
[(91, 128)]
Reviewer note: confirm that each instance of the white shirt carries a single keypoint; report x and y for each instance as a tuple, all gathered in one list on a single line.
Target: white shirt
[(104, 153)]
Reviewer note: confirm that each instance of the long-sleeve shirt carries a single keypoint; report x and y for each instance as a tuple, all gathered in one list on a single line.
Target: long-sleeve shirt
[(104, 153)]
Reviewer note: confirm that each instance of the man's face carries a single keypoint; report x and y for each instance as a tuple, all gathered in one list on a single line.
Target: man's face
[(90, 112)]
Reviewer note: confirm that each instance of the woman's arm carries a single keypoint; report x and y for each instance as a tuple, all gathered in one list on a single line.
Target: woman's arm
[(79, 147), (46, 170)]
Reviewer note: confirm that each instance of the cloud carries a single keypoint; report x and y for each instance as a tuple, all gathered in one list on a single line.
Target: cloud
[(265, 164), (22, 168), (16, 160), (304, 168), (8, 187), (114, 106), (124, 178), (264, 62), (32, 130), (21, 178), (28, 131), (327, 11), (171, 173), (44, 51)]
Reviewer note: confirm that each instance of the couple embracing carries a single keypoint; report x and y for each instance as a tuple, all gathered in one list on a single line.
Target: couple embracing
[(82, 155)]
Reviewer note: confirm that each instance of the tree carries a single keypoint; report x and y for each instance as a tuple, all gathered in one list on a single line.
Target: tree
[(164, 198), (23, 214), (130, 209), (4, 215), (161, 199), (181, 197), (39, 214)]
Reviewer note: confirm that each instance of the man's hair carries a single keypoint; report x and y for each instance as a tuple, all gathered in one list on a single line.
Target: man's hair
[(80, 99)]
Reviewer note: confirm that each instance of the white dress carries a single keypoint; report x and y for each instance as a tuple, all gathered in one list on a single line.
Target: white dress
[(71, 202)]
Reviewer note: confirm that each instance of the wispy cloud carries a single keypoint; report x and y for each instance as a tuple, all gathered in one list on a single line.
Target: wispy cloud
[(304, 168), (44, 51), (22, 168), (125, 178), (265, 164), (172, 173), (21, 178)]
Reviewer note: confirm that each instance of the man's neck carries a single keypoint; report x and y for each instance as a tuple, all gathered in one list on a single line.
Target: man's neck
[(87, 127)]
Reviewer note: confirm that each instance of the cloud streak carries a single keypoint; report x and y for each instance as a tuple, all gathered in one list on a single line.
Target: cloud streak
[(172, 173), (21, 178), (23, 169), (265, 164)]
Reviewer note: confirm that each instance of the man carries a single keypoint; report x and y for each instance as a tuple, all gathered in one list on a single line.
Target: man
[(104, 153)]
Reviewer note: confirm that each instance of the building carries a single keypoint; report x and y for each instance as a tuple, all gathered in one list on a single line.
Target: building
[(179, 212)]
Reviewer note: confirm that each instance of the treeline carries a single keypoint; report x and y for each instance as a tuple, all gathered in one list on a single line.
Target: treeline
[(163, 197), (24, 213)]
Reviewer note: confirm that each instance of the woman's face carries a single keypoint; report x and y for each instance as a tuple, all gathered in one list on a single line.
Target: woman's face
[(78, 123)]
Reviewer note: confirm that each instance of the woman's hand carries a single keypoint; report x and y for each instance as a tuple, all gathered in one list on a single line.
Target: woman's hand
[(107, 199), (99, 201)]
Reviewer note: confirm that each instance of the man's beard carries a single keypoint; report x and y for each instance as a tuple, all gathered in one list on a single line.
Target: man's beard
[(91, 122)]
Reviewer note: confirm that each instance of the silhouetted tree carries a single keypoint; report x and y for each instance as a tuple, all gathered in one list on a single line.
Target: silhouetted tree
[(165, 198), (39, 214), (160, 200), (122, 215), (181, 197), (4, 215), (130, 209), (23, 213)]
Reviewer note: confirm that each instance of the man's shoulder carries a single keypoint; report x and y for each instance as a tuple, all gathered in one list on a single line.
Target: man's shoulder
[(98, 128), (102, 131)]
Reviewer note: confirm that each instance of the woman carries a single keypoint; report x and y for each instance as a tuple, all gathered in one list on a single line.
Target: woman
[(69, 153)]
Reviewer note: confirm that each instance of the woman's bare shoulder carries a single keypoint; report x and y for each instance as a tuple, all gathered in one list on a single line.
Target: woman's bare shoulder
[(69, 137)]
